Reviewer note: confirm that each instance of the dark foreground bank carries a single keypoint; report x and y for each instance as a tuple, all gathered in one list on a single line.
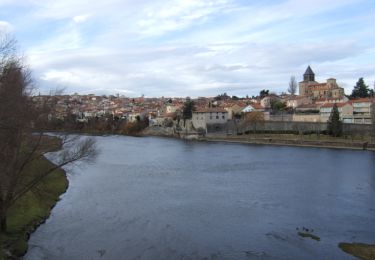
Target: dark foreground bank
[(32, 210)]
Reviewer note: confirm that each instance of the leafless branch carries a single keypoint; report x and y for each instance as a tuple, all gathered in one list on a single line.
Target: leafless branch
[(22, 140)]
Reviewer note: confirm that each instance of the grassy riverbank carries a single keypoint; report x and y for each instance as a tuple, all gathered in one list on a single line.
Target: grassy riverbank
[(360, 250), (32, 209), (324, 141)]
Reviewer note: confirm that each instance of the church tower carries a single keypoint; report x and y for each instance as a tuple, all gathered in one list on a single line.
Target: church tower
[(309, 75)]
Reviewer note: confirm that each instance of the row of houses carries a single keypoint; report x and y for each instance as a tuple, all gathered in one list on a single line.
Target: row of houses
[(209, 110), (357, 111), (313, 104)]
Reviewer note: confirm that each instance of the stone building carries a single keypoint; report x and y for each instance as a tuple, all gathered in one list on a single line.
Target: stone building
[(311, 88), (202, 117)]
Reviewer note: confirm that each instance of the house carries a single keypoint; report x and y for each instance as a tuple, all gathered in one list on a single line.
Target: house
[(266, 102), (308, 109), (233, 110), (345, 110), (342, 99), (135, 115), (296, 101), (202, 117), (253, 107), (173, 108), (362, 113)]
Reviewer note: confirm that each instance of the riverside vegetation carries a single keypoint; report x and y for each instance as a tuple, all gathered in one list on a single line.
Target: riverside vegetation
[(34, 207), (29, 184)]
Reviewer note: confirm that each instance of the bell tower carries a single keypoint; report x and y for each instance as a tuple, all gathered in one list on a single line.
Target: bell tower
[(309, 75)]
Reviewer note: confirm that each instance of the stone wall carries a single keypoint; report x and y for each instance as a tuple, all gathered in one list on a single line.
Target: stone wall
[(233, 127), (306, 117)]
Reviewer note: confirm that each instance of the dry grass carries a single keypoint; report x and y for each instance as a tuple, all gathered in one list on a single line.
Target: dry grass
[(360, 250)]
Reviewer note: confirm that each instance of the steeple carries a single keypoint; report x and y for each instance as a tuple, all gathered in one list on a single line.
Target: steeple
[(309, 75)]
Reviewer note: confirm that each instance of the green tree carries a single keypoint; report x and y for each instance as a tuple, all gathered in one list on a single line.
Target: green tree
[(334, 122), (278, 105), (187, 111), (361, 90), (263, 93), (223, 96)]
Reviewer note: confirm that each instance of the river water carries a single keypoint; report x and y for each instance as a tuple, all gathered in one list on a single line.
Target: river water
[(158, 198)]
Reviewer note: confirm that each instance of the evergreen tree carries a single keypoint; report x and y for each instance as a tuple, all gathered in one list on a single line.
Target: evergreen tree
[(263, 93), (188, 109), (361, 90), (334, 122)]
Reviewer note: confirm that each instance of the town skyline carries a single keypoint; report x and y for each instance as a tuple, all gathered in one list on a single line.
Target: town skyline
[(190, 48)]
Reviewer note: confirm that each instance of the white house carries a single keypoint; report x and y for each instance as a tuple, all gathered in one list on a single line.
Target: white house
[(362, 110), (172, 108), (345, 111), (252, 107)]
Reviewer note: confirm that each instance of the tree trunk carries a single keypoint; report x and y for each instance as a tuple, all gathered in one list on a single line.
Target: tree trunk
[(3, 220)]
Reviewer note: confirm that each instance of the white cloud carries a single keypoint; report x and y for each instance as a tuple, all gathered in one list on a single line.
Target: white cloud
[(185, 70), (178, 14), (191, 47), (81, 18), (5, 27)]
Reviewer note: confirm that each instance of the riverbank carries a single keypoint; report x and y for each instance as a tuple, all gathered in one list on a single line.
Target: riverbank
[(32, 209), (360, 250), (321, 141), (313, 140), (294, 140)]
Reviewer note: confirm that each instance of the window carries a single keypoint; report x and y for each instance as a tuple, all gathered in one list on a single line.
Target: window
[(217, 117), (223, 117), (210, 117)]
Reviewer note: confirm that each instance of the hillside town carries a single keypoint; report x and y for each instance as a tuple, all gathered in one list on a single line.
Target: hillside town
[(313, 104)]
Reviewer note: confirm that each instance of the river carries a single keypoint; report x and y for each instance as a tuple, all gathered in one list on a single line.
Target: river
[(159, 198)]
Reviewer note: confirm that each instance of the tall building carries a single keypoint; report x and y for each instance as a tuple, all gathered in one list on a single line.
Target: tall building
[(311, 88)]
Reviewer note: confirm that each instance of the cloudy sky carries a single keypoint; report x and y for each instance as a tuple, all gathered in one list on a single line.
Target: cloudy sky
[(191, 47)]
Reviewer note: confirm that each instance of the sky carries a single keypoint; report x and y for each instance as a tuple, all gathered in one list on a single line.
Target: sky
[(191, 47)]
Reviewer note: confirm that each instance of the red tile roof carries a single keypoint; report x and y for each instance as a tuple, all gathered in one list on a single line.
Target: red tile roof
[(256, 106), (210, 110), (337, 104), (360, 100), (327, 99), (313, 106)]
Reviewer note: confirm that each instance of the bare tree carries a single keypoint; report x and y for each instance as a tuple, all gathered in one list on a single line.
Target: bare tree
[(254, 119), (292, 85), (22, 141)]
